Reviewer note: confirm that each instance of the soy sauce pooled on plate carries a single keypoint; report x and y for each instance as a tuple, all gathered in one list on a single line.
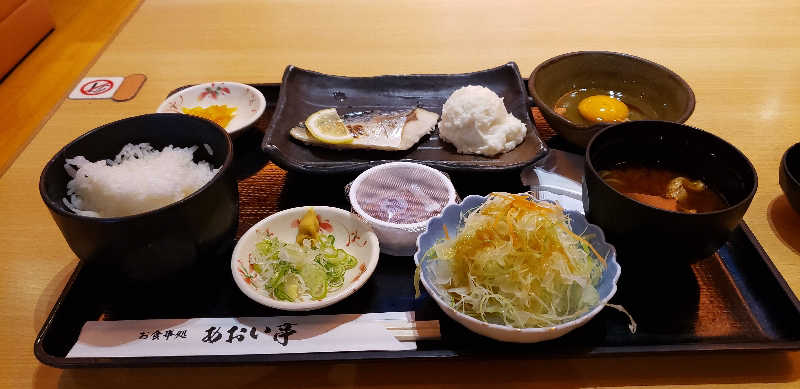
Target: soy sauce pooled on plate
[(663, 188)]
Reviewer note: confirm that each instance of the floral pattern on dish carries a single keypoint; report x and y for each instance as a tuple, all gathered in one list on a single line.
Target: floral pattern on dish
[(213, 91), (248, 101)]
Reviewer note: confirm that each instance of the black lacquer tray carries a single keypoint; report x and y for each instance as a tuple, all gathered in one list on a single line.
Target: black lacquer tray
[(734, 300)]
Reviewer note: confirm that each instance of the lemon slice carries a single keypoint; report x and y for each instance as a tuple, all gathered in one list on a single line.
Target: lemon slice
[(328, 127)]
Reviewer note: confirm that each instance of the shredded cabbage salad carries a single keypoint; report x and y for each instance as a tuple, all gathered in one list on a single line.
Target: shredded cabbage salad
[(516, 262), (292, 272)]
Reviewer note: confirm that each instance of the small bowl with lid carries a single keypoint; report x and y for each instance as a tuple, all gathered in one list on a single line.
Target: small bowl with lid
[(397, 199)]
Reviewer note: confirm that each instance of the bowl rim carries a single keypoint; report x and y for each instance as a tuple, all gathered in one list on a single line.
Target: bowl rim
[(314, 304), (793, 149), (588, 315), (745, 200), (260, 96), (451, 194), (55, 207), (687, 110)]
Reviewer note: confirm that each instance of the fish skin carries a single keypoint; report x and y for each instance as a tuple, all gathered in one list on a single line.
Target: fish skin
[(378, 130)]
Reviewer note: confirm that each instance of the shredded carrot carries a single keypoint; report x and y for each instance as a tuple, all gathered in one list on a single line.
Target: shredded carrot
[(501, 257), (587, 244), (446, 234), (521, 201), (524, 202), (510, 228)]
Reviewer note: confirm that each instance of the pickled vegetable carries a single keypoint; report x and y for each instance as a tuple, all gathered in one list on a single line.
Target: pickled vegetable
[(294, 272)]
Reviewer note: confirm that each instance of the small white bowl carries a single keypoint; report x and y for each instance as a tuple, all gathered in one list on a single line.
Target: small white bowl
[(400, 191), (249, 102), (351, 233), (453, 218)]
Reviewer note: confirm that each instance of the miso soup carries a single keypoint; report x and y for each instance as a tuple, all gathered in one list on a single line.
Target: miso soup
[(662, 188)]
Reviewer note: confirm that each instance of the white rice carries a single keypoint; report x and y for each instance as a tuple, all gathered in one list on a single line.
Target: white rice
[(139, 179)]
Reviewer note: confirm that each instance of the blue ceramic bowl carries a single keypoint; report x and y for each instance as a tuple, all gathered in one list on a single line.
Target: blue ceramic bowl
[(453, 218)]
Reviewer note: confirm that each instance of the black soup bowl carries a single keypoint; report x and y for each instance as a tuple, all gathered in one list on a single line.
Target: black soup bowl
[(643, 233), (789, 176), (159, 244)]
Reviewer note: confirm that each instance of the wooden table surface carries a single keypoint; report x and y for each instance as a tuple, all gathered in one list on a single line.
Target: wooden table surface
[(741, 58)]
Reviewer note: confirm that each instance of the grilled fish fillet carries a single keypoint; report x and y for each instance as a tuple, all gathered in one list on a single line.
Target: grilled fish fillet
[(378, 130)]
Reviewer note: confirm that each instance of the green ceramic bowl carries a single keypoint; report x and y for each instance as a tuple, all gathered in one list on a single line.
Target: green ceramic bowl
[(668, 96)]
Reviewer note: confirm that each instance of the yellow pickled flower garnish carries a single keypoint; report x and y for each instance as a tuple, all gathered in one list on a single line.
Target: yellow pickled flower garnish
[(220, 114)]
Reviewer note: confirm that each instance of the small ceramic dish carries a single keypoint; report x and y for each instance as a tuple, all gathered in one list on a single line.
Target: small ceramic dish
[(643, 83), (350, 232), (453, 218), (249, 102), (789, 176)]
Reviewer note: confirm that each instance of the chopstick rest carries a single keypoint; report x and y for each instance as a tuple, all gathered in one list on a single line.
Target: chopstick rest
[(130, 87)]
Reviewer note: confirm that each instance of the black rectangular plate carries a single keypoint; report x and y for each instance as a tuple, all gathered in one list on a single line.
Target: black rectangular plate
[(304, 92), (734, 300)]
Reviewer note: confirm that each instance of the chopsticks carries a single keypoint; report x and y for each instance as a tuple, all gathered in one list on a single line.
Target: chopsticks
[(412, 331)]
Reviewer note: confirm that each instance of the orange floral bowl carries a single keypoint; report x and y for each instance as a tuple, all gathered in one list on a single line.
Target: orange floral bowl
[(247, 103), (349, 232)]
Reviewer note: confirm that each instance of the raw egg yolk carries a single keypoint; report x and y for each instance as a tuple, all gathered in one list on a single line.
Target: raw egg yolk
[(603, 109)]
